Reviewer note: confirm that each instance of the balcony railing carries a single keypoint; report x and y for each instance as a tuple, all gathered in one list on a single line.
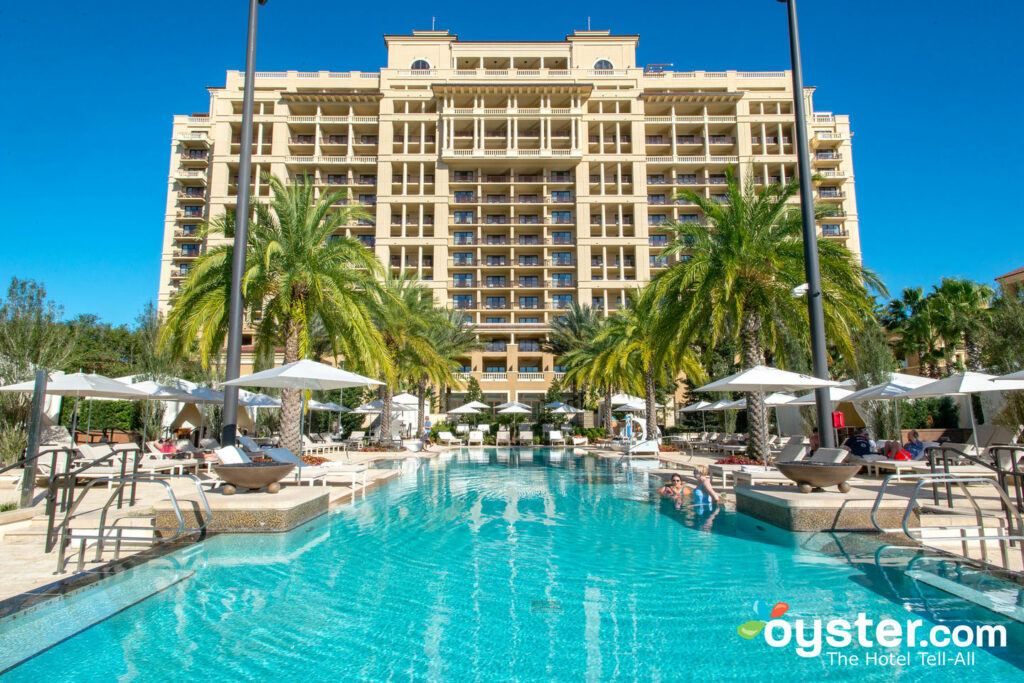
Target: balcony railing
[(531, 376), (493, 376)]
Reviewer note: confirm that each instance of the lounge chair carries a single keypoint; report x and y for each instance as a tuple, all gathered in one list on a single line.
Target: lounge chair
[(447, 439), (555, 436), (486, 429), (829, 456), (354, 440), (502, 437), (461, 429), (232, 455), (303, 473), (475, 437), (525, 437), (249, 446), (209, 444), (579, 440)]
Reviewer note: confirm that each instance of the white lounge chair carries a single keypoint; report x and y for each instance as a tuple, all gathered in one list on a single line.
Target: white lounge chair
[(475, 437), (249, 446), (555, 436), (579, 440), (525, 437), (354, 440), (447, 439), (309, 474), (502, 437)]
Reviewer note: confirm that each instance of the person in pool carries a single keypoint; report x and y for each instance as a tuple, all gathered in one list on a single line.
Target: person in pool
[(705, 493), (674, 489)]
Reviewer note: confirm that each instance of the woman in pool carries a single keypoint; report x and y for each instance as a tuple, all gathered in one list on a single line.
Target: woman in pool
[(674, 489)]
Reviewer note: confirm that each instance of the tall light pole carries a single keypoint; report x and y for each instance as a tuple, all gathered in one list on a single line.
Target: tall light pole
[(234, 350), (816, 314)]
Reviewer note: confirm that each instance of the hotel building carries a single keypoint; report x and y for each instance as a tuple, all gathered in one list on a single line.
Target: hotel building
[(514, 178)]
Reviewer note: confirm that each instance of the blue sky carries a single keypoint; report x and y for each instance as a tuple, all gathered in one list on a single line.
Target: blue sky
[(91, 87)]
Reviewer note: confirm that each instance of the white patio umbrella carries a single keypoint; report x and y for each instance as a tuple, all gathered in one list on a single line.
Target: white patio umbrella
[(304, 374), (479, 405), (516, 409), (893, 389), (82, 385), (835, 395), (510, 404), (966, 384), (1013, 376), (406, 399), (251, 400), (562, 410), (762, 378), (698, 407)]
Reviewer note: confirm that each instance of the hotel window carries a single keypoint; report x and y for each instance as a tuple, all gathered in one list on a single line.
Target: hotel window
[(194, 211), (368, 139), (688, 218), (184, 268), (496, 281), (656, 220), (716, 179), (495, 321), (562, 300), (561, 196), (687, 178), (559, 368), (527, 199), (529, 320), (367, 179), (463, 300), (190, 249), (420, 65), (463, 176), (659, 261), (561, 238), (529, 281), (563, 279), (562, 258), (496, 199), (336, 179), (189, 229), (463, 217), (529, 302), (494, 368), (496, 302), (463, 196), (831, 229), (368, 240), (595, 219), (529, 368), (655, 139), (463, 279), (495, 260), (657, 240), (603, 65), (495, 219), (561, 176), (529, 260), (304, 139), (561, 216), (368, 199), (657, 199), (193, 192), (596, 261), (463, 238), (656, 179), (529, 240), (466, 368), (529, 220), (597, 302), (200, 153), (463, 259)]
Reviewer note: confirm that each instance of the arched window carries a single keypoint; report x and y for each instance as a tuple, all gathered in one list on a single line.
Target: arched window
[(420, 65), (603, 65)]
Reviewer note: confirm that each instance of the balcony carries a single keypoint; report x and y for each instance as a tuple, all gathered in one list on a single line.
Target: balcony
[(721, 140), (494, 377), (531, 376), (463, 263), (464, 241), (495, 347), (180, 253), (827, 231), (413, 179), (462, 284), (501, 283), (529, 347), (831, 195)]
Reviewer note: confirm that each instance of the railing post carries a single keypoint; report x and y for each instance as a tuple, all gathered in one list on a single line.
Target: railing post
[(28, 477)]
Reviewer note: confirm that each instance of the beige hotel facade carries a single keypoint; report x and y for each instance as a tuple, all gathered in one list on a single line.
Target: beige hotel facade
[(514, 178)]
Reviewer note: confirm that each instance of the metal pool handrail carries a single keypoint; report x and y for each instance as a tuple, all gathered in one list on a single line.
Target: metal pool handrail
[(1005, 540)]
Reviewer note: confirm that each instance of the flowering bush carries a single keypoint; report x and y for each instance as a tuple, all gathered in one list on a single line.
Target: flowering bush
[(313, 460), (736, 460), (665, 448)]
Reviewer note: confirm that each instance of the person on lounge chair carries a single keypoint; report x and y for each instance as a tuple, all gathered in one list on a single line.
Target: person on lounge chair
[(912, 450), (860, 444)]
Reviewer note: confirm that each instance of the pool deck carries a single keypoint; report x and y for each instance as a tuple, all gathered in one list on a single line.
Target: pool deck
[(28, 571)]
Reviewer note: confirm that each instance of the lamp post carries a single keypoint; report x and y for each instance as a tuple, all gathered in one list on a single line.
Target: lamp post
[(815, 312), (234, 351)]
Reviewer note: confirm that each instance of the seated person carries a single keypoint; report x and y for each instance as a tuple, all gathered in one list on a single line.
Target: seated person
[(705, 493), (912, 450), (815, 442), (860, 444)]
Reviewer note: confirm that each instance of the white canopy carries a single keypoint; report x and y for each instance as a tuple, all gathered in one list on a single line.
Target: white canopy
[(699, 406), (565, 409), (251, 400), (778, 399), (720, 405), (464, 410), (406, 399), (83, 386), (896, 387), (304, 374), (509, 404), (761, 378), (313, 404), (479, 405), (516, 410), (377, 405), (206, 395), (1019, 375), (963, 383), (835, 394), (738, 404)]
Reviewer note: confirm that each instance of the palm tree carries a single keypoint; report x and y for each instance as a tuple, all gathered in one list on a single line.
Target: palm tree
[(916, 321), (736, 274), (593, 365), (451, 334), (571, 331), (297, 271), (631, 338), (963, 307), (402, 315)]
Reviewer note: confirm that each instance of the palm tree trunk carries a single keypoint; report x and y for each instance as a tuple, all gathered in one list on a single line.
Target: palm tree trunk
[(385, 415), (421, 394), (649, 389), (608, 432), (757, 437), (291, 399), (973, 352)]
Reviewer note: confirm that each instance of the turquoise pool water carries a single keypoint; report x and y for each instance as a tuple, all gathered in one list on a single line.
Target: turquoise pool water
[(495, 566)]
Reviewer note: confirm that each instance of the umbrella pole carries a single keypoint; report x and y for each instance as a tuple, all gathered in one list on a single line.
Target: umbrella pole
[(74, 420), (88, 425), (974, 427)]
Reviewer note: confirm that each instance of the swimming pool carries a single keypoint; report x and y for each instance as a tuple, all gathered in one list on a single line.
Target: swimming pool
[(511, 565)]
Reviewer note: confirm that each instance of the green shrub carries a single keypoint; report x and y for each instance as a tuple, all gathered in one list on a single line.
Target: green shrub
[(124, 415)]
